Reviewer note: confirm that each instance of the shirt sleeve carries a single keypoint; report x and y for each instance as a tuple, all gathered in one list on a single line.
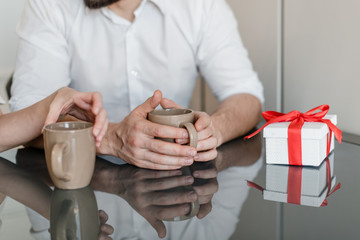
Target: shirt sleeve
[(221, 56), (43, 63)]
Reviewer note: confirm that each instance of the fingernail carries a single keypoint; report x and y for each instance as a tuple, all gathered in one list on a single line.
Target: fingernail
[(192, 153), (96, 131), (185, 135), (186, 208), (189, 179), (196, 174), (189, 161), (96, 110), (196, 157), (180, 140), (192, 196)]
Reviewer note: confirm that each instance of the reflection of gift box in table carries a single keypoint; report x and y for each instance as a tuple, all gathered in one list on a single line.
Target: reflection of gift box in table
[(314, 140), (300, 185)]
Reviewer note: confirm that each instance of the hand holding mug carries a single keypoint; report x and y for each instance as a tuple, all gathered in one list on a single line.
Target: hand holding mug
[(208, 138), (136, 140), (86, 106)]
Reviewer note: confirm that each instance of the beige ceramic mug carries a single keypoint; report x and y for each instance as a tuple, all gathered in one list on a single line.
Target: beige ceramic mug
[(176, 117), (70, 153), (184, 118), (194, 206)]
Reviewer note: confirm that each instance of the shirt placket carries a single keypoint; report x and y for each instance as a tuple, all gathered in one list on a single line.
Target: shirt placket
[(132, 68)]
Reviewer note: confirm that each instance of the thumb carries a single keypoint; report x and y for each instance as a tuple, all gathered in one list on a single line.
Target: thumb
[(53, 115), (151, 103)]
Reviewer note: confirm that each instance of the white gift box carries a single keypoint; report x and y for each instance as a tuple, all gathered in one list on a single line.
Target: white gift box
[(314, 137), (314, 186)]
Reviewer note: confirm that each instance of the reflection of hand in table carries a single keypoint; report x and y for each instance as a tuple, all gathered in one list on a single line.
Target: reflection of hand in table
[(144, 190), (150, 193), (105, 229), (205, 185), (26, 188)]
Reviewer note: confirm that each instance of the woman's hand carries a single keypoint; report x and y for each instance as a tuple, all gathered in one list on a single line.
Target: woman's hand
[(84, 106)]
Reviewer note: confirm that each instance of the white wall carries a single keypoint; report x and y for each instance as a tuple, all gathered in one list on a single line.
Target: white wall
[(10, 12), (257, 21), (322, 57)]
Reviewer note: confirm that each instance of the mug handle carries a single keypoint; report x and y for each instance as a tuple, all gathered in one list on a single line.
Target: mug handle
[(57, 163), (192, 133)]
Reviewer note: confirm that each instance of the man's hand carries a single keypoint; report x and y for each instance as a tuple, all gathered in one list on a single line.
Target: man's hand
[(208, 138), (134, 140)]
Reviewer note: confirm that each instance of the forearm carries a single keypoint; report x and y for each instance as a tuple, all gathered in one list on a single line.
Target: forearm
[(236, 116), (24, 188), (19, 127)]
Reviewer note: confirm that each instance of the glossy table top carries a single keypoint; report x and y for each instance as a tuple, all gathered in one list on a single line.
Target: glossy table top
[(136, 200)]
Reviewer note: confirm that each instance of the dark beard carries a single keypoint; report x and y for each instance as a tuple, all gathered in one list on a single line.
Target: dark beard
[(94, 4)]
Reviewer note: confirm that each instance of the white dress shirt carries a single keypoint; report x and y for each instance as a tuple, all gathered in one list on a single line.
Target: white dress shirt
[(64, 43)]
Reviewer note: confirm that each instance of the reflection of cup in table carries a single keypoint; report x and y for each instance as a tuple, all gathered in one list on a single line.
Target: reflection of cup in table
[(194, 206), (70, 153), (74, 214), (179, 118)]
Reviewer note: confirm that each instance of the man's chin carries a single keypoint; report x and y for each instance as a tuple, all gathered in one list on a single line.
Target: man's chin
[(95, 4)]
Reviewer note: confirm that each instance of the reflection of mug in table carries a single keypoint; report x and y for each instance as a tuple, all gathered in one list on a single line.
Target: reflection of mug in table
[(74, 214), (194, 206), (70, 153), (176, 117)]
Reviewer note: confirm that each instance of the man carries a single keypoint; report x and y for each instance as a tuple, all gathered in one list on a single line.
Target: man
[(126, 50)]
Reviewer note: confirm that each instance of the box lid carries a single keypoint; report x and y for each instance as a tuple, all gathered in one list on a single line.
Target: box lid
[(310, 130)]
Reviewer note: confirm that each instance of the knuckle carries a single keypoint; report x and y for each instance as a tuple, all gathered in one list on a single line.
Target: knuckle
[(137, 155), (161, 160), (160, 184), (161, 198), (161, 148), (158, 131), (138, 199), (138, 126), (214, 153), (162, 214), (134, 141)]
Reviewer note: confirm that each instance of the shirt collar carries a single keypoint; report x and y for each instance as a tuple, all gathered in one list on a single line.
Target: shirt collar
[(160, 4)]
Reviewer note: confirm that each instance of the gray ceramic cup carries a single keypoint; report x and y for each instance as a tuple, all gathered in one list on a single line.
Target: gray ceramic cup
[(70, 153), (74, 215), (175, 117)]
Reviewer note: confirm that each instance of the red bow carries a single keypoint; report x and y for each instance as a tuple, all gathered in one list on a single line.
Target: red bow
[(297, 120)]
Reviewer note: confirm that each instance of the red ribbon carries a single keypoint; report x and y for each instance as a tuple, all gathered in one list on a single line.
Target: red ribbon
[(294, 185), (297, 120), (328, 182)]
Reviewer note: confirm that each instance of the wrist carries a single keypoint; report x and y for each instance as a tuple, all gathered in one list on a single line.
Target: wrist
[(109, 142), (216, 129)]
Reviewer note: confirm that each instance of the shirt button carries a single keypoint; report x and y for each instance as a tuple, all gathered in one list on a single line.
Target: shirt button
[(134, 73)]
